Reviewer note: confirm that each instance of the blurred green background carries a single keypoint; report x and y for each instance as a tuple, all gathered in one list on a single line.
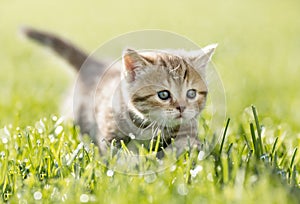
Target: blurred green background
[(257, 58)]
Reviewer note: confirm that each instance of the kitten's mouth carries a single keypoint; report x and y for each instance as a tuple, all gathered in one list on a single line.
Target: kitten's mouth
[(179, 117)]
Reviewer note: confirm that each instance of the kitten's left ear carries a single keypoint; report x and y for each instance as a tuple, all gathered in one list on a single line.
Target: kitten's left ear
[(203, 56)]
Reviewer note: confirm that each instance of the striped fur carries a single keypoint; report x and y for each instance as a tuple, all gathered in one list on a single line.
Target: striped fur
[(75, 56), (134, 107)]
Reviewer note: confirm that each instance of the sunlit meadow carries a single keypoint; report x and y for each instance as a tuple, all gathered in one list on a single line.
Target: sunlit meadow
[(256, 159)]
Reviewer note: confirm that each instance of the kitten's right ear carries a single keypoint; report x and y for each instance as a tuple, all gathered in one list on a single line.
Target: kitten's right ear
[(132, 61)]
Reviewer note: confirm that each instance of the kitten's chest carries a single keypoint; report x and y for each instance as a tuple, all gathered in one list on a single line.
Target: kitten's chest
[(133, 133)]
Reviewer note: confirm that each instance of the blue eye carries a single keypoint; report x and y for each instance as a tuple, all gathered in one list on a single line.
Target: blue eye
[(191, 93), (164, 95)]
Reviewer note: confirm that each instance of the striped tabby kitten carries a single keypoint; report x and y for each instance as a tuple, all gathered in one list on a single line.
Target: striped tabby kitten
[(147, 93)]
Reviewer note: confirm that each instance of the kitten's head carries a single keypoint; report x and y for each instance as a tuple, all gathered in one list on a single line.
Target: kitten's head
[(166, 86)]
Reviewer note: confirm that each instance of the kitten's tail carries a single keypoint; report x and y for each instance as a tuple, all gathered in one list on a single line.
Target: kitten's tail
[(67, 50)]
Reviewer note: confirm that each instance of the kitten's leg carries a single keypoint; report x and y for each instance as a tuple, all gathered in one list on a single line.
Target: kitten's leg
[(186, 143), (180, 145), (187, 138)]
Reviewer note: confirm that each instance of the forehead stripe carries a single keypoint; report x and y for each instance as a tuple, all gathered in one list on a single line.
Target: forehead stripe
[(185, 74)]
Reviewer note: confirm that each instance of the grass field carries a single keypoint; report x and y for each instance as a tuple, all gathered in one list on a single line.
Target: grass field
[(41, 160)]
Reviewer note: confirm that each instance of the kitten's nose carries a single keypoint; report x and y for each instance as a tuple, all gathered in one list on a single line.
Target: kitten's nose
[(180, 108)]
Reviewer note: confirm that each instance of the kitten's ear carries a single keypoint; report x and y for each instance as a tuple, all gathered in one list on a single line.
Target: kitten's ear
[(132, 61), (203, 57)]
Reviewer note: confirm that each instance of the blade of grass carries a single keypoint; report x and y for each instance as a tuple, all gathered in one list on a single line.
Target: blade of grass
[(273, 148), (293, 158), (294, 177), (229, 149), (151, 146), (258, 128), (256, 150), (275, 160), (113, 142), (224, 135), (283, 157), (157, 142), (74, 154), (225, 168), (124, 147), (242, 132)]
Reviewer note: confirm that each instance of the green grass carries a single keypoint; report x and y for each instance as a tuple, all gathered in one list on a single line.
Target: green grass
[(46, 162), (257, 58)]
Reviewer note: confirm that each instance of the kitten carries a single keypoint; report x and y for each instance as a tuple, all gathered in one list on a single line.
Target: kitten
[(148, 93)]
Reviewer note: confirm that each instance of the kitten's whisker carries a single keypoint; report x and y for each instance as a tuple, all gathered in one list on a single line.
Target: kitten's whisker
[(152, 129), (142, 124), (168, 132), (163, 128), (155, 130)]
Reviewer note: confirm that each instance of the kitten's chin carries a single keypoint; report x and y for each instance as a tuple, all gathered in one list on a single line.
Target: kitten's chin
[(177, 121)]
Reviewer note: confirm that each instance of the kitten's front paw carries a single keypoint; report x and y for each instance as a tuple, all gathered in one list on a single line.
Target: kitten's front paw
[(187, 144)]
